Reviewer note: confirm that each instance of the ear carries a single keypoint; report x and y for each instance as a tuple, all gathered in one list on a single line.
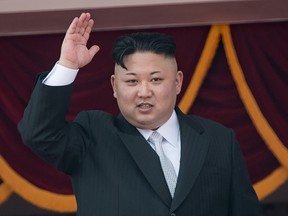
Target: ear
[(113, 84), (179, 81)]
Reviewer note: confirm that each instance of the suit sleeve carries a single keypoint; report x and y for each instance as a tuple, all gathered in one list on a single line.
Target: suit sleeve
[(44, 129), (243, 199)]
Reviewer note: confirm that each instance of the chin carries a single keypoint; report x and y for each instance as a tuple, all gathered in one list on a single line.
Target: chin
[(144, 125), (149, 126)]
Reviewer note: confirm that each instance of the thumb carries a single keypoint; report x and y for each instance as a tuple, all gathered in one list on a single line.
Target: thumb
[(93, 50)]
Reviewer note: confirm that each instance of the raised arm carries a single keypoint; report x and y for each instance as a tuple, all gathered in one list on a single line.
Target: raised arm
[(43, 127), (74, 51)]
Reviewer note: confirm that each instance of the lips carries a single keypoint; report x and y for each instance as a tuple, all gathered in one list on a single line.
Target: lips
[(144, 106)]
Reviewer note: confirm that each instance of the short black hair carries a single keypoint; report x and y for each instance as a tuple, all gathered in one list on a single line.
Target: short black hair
[(142, 42)]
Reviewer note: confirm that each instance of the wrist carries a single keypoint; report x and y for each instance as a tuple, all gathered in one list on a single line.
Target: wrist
[(68, 64)]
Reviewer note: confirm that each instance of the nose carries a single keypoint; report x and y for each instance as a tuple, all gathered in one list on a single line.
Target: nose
[(144, 90)]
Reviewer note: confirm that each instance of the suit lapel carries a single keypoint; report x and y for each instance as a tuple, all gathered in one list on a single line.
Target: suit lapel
[(145, 157), (194, 147)]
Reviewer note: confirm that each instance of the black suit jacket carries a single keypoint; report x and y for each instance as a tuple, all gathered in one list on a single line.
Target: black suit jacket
[(115, 172)]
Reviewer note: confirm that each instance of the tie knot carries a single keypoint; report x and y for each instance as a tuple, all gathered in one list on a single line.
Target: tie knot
[(155, 138)]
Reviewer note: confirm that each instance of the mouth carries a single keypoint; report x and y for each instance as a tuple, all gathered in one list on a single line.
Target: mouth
[(145, 106)]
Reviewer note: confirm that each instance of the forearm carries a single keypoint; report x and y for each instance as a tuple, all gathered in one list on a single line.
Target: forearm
[(44, 99), (44, 117)]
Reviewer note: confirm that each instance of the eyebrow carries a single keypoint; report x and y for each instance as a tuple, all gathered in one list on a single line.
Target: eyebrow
[(135, 74)]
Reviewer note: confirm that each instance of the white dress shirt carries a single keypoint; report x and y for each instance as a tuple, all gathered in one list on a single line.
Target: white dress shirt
[(60, 76)]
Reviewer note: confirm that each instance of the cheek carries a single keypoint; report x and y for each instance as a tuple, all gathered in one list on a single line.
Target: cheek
[(168, 91), (125, 96), (163, 96), (167, 95)]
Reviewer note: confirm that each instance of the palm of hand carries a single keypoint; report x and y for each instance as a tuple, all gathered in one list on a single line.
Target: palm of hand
[(75, 53)]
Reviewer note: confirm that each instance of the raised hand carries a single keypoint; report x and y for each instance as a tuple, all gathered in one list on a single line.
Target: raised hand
[(74, 51)]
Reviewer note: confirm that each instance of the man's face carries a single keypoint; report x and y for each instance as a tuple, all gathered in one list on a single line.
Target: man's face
[(146, 92)]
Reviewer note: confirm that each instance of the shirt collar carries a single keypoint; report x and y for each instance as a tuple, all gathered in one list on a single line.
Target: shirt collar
[(169, 130)]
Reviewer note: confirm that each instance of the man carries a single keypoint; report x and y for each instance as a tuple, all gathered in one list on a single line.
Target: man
[(117, 165)]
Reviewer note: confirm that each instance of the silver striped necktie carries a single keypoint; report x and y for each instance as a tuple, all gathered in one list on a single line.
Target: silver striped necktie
[(166, 164)]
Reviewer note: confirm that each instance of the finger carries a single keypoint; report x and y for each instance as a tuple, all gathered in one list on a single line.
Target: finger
[(83, 22), (72, 28), (88, 29), (79, 23)]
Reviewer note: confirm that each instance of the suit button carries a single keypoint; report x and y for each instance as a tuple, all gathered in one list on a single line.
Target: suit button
[(172, 214)]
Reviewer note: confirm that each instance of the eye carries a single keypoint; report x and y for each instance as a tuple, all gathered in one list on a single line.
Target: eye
[(131, 82), (156, 80)]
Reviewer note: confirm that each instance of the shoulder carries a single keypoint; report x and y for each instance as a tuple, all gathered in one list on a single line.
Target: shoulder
[(208, 123), (208, 126), (96, 123), (96, 116), (199, 123)]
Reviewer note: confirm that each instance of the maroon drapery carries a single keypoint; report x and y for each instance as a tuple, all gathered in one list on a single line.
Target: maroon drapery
[(263, 55)]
